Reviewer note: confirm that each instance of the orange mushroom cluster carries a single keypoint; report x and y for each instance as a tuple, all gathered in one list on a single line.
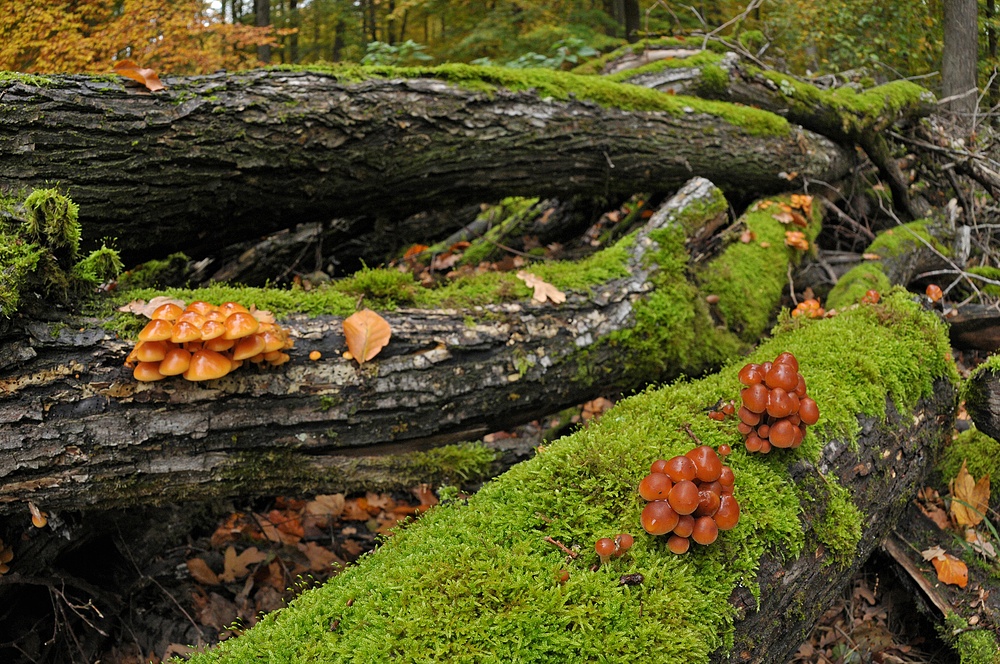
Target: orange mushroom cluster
[(776, 409), (204, 342), (689, 497), (810, 308)]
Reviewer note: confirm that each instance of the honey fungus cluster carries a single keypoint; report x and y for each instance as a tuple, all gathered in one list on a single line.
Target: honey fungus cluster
[(776, 409), (204, 342), (690, 498)]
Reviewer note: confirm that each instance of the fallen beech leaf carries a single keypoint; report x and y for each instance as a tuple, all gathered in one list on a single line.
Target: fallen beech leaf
[(444, 261), (798, 219), (543, 290), (979, 545), (329, 506), (594, 408), (951, 570), (933, 552), (355, 510), (147, 77), (935, 514), (366, 333), (425, 495), (143, 308), (202, 573), (783, 217), (236, 566), (970, 499), (320, 558)]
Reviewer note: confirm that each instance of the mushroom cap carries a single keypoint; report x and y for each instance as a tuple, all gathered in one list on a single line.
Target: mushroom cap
[(705, 530), (685, 524), (778, 403), (272, 341), (219, 344), (729, 513), (624, 542), (176, 362), (207, 365), (151, 351), (212, 329), (784, 375), (168, 311), (147, 372), (239, 325), (658, 517), (193, 317), (201, 307), (247, 347), (782, 433), (230, 308), (655, 486), (708, 503), (658, 466), (605, 547), (708, 466), (156, 330), (184, 332), (755, 398), (808, 411), (278, 361), (683, 497), (681, 468), (678, 544)]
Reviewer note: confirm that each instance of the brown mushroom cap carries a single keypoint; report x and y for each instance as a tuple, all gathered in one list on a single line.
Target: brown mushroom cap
[(156, 330), (184, 332), (212, 329), (208, 365), (201, 307), (168, 311), (151, 351), (147, 372), (247, 347), (176, 362), (239, 325)]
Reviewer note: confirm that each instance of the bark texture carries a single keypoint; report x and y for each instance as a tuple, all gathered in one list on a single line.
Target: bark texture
[(79, 432), (215, 159), (982, 400)]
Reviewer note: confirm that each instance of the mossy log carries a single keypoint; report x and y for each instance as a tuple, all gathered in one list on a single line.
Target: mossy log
[(216, 158), (982, 397), (82, 433), (480, 581)]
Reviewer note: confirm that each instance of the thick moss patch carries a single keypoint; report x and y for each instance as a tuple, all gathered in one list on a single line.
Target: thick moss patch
[(476, 582), (562, 85)]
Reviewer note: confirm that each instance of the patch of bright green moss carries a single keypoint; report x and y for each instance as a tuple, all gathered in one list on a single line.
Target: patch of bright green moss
[(381, 288), (980, 453), (563, 86), (18, 260), (888, 244), (155, 273), (840, 527), (700, 59), (596, 65), (504, 220), (990, 273), (974, 646), (34, 80), (477, 581), (749, 278)]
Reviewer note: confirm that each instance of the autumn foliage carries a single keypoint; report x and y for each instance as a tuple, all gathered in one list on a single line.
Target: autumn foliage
[(89, 36)]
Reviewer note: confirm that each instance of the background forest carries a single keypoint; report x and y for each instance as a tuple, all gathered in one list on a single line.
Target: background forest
[(896, 39)]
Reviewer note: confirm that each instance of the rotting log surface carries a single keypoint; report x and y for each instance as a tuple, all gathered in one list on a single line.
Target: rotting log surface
[(215, 159), (982, 400), (79, 432), (882, 475)]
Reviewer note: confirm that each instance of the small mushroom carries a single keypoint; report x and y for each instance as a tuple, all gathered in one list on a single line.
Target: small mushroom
[(605, 548), (207, 365)]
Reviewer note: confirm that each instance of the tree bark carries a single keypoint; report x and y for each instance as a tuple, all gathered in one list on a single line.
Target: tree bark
[(958, 62), (215, 159), (83, 434), (262, 19), (982, 400)]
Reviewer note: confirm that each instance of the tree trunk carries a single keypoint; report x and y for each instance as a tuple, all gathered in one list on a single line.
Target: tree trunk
[(262, 13), (632, 16), (982, 400), (84, 434), (218, 158), (958, 62)]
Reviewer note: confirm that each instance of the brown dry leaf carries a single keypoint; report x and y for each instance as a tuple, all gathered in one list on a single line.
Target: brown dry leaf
[(979, 545), (747, 236), (143, 308), (415, 250), (933, 552), (378, 502), (935, 514), (328, 506), (236, 566), (366, 333), (783, 217), (951, 570), (798, 219), (202, 573), (216, 611), (969, 499), (425, 495), (594, 408), (147, 77), (355, 510), (262, 315), (543, 290), (444, 261), (288, 525), (352, 547), (320, 558)]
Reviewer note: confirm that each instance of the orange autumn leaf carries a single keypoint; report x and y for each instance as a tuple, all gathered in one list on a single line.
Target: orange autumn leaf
[(366, 333), (951, 570), (970, 499), (415, 250), (147, 77), (202, 573)]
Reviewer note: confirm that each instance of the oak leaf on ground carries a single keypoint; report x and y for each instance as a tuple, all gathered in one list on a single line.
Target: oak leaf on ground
[(237, 565), (950, 569), (543, 290)]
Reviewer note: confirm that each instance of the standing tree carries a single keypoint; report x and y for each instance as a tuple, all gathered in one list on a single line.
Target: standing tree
[(958, 65), (263, 20)]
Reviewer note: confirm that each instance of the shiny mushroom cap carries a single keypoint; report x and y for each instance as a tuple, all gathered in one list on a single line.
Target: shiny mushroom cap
[(208, 365)]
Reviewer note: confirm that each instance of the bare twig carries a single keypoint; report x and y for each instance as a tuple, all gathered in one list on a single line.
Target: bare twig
[(568, 551)]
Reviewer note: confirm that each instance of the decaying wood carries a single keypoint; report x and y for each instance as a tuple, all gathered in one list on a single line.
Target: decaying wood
[(79, 432), (887, 468), (216, 158), (982, 400)]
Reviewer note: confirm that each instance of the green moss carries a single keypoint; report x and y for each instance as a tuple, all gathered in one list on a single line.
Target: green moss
[(156, 273), (380, 288), (596, 65), (980, 453), (34, 80), (974, 646), (475, 581), (18, 260), (505, 219), (700, 59), (992, 273), (563, 86), (99, 266), (53, 221), (840, 528), (749, 278), (889, 244), (714, 81)]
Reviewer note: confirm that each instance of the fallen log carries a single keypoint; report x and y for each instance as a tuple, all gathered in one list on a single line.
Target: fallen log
[(216, 158), (83, 434), (982, 397), (511, 575)]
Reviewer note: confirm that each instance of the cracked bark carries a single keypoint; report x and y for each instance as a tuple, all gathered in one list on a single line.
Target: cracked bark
[(220, 158)]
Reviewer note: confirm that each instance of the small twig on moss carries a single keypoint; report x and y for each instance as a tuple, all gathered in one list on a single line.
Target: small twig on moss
[(568, 551), (690, 432), (544, 518)]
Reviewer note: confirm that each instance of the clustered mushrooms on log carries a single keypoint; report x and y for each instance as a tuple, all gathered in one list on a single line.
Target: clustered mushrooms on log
[(809, 308), (204, 341), (689, 496), (775, 408)]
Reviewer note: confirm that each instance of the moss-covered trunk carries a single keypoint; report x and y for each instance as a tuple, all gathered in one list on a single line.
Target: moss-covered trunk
[(480, 581), (220, 158)]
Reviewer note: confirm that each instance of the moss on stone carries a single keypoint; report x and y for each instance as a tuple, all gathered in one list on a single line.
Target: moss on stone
[(476, 581), (562, 86)]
